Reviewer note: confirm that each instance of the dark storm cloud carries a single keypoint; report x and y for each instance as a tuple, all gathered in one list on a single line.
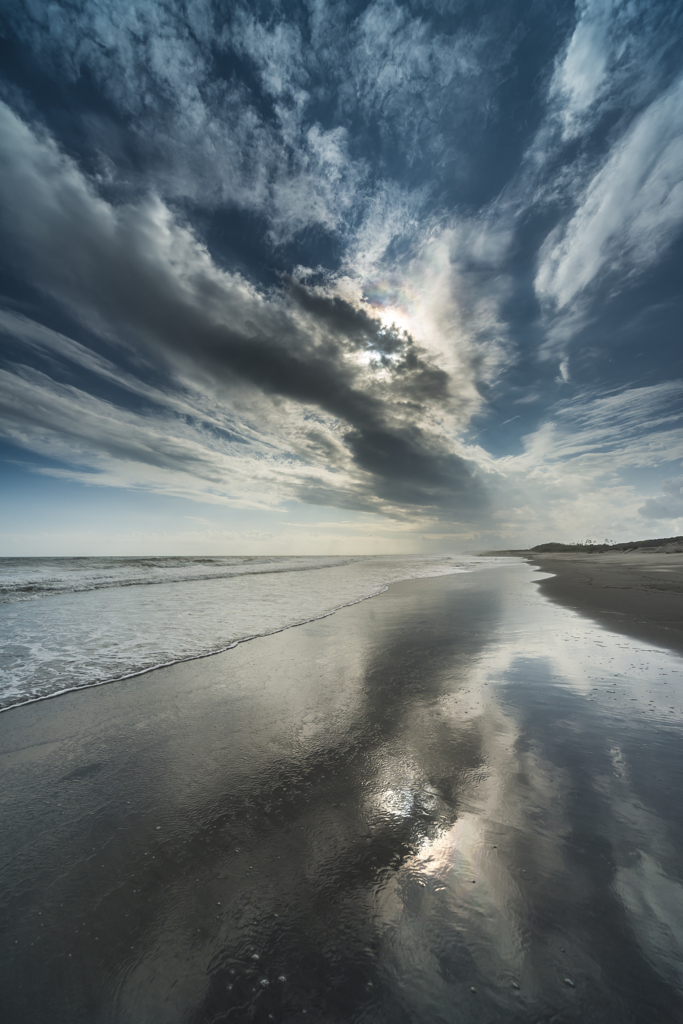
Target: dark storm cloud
[(136, 272), (407, 473)]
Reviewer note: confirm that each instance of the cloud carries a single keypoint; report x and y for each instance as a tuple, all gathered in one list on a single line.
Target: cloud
[(628, 427), (580, 75), (603, 165), (110, 446), (414, 75), (136, 276), (668, 505), (364, 150), (615, 57), (202, 133), (449, 291), (278, 112), (630, 212), (580, 465)]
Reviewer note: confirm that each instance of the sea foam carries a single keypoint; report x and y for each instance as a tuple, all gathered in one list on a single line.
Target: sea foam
[(69, 623)]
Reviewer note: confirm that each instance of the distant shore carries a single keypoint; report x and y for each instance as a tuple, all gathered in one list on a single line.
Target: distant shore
[(658, 545), (635, 592)]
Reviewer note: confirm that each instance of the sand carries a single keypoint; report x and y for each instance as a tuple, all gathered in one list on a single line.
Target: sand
[(636, 593), (454, 802)]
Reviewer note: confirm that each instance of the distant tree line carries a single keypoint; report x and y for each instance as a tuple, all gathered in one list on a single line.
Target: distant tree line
[(606, 545)]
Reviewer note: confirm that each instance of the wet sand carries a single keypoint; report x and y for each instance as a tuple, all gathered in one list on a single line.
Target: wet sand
[(636, 593), (456, 802)]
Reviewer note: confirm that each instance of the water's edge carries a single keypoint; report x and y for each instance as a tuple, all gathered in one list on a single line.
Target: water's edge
[(207, 654)]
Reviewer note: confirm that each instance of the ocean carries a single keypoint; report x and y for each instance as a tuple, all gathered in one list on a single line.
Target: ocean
[(69, 623)]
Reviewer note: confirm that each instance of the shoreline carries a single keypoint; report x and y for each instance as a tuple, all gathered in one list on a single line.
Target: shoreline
[(639, 594), (197, 657), (237, 835), (135, 672), (140, 818)]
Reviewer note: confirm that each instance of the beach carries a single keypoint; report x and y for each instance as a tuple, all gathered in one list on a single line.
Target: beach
[(456, 801), (638, 593)]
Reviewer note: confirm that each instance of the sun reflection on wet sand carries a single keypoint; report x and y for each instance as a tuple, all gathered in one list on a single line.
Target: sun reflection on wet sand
[(456, 802)]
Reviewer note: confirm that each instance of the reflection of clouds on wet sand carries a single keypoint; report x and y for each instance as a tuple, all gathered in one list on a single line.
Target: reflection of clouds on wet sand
[(457, 845), (655, 904), (448, 788), (506, 890)]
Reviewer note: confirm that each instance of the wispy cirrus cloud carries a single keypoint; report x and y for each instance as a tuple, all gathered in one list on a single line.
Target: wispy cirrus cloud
[(103, 443), (587, 454), (630, 211), (616, 57), (628, 427)]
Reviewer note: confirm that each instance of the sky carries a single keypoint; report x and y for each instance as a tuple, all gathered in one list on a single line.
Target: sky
[(339, 277)]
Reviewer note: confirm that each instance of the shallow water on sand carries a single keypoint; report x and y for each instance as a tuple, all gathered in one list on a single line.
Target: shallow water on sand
[(69, 623), (455, 802)]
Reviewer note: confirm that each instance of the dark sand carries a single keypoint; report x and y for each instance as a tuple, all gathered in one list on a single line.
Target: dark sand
[(636, 593), (456, 802)]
